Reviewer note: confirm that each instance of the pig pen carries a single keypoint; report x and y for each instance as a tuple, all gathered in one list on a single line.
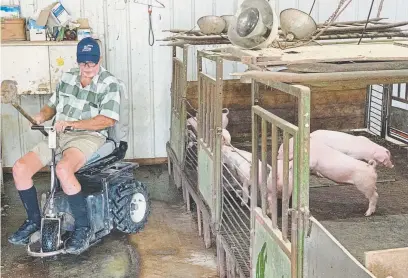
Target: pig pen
[(336, 105), (220, 187), (339, 239)]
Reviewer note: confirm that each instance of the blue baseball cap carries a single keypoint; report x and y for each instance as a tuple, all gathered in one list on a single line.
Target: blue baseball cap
[(88, 51)]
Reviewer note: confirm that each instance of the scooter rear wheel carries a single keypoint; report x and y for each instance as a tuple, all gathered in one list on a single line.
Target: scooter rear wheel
[(130, 204), (49, 236)]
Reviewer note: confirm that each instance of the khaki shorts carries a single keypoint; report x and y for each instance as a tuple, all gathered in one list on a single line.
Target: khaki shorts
[(85, 142)]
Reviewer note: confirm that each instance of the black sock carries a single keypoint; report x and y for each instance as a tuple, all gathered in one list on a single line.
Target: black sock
[(30, 202), (77, 203)]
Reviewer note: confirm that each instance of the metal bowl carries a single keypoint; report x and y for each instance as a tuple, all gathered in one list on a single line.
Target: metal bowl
[(228, 20), (296, 24), (211, 24)]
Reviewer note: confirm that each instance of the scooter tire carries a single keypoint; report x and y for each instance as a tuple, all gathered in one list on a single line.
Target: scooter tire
[(124, 198), (49, 236)]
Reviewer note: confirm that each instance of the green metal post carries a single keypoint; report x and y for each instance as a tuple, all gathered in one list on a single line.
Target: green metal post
[(182, 103), (303, 172), (255, 166), (217, 193)]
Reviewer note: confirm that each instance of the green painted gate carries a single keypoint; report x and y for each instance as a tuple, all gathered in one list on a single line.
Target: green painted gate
[(275, 251), (209, 133), (178, 106)]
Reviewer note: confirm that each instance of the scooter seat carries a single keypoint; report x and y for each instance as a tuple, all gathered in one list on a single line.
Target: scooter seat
[(105, 150)]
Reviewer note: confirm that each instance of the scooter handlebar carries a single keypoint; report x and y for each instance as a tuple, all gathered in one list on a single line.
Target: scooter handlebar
[(43, 128)]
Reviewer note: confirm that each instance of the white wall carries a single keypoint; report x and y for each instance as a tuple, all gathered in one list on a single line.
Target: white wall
[(123, 26)]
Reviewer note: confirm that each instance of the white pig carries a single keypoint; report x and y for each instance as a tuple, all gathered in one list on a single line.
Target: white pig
[(239, 162), (345, 169), (226, 137), (358, 147), (279, 182), (193, 120)]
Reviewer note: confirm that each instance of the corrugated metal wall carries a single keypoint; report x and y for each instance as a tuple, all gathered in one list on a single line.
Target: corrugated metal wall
[(123, 26)]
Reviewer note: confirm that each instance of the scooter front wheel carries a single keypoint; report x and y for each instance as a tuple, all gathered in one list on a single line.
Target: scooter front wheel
[(50, 235)]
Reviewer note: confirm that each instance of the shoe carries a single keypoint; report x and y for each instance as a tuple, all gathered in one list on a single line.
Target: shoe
[(22, 235), (78, 241)]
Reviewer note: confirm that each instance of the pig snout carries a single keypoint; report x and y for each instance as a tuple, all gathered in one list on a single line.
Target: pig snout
[(383, 156)]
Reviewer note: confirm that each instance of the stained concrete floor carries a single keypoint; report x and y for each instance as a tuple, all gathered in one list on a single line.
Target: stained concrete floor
[(169, 246)]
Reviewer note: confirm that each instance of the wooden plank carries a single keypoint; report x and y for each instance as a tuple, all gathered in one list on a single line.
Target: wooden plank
[(337, 123), (327, 53), (240, 120), (331, 67), (389, 262), (337, 110), (38, 43), (237, 95), (402, 43), (322, 96)]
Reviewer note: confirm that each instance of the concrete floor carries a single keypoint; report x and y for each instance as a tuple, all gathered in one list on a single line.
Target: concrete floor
[(168, 247)]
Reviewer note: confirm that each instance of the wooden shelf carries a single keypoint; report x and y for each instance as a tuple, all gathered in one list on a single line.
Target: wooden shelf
[(37, 43)]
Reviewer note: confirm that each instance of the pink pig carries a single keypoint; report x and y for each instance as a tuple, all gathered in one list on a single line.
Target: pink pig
[(358, 147), (193, 120), (279, 181), (345, 169), (239, 162)]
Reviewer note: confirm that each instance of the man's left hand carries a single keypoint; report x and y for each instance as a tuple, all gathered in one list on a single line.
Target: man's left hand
[(60, 126)]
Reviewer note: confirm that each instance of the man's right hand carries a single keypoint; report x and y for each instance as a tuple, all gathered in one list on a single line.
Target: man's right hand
[(39, 119)]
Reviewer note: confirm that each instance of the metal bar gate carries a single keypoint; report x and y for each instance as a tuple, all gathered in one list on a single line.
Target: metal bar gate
[(178, 107), (268, 238), (209, 134)]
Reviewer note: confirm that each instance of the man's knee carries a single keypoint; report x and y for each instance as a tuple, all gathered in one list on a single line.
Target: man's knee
[(64, 171), (21, 170), (66, 175)]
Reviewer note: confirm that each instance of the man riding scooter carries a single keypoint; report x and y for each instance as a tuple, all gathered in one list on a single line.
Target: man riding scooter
[(87, 99)]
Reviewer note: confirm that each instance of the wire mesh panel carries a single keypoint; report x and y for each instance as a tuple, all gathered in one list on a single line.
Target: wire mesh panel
[(376, 109), (191, 149), (397, 127), (235, 211)]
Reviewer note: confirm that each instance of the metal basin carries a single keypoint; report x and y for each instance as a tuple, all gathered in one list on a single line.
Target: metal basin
[(296, 24), (211, 24)]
